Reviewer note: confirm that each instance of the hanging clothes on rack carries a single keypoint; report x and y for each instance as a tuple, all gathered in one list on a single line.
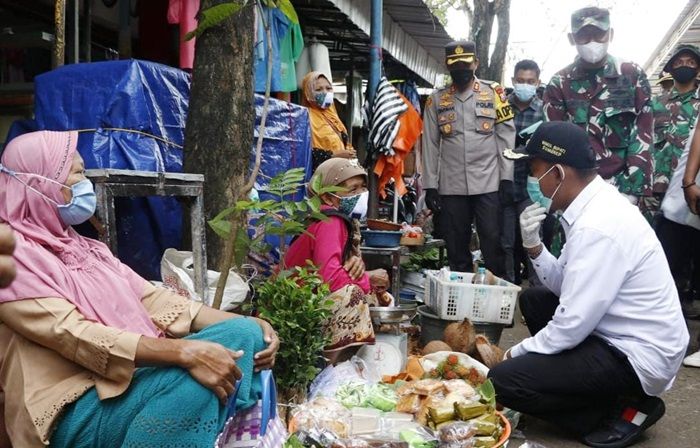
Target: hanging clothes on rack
[(184, 12), (287, 45), (409, 89), (394, 127), (383, 120)]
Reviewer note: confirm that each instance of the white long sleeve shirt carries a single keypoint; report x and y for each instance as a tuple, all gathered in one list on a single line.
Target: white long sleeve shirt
[(614, 282)]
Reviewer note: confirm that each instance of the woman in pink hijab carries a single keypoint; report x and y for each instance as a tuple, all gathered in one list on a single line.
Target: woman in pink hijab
[(90, 353)]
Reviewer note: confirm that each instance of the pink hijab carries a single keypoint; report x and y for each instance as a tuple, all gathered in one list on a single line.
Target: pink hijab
[(52, 259)]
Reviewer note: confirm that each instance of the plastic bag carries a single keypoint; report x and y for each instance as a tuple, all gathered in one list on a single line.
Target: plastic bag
[(457, 434), (177, 271), (323, 415), (331, 378)]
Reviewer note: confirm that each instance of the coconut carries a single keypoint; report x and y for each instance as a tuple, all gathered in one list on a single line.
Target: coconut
[(489, 354), (460, 336), (436, 346)]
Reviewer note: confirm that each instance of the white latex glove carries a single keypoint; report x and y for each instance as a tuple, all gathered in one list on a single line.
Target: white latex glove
[(530, 222)]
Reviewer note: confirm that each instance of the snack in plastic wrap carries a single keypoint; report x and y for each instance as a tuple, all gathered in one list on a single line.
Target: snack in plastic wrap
[(457, 432), (409, 403), (321, 414), (352, 394), (368, 443), (419, 438), (382, 397), (365, 421), (428, 387), (460, 387)]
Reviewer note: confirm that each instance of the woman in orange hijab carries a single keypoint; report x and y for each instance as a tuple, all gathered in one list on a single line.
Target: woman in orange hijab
[(329, 137)]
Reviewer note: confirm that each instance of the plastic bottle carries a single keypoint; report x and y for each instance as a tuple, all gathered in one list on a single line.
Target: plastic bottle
[(480, 277), (444, 273), (480, 292)]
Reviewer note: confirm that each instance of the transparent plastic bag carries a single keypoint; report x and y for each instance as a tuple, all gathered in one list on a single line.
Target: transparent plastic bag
[(457, 434)]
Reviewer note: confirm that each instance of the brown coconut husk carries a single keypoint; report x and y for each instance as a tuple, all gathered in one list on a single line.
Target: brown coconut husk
[(487, 352), (460, 336), (436, 346)]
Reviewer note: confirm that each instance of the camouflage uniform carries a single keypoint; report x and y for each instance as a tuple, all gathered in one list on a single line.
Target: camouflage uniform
[(613, 104), (674, 118)]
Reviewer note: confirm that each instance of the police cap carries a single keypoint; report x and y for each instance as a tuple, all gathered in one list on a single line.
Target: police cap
[(461, 50)]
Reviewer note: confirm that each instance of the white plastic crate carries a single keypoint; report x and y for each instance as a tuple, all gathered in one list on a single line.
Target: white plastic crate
[(459, 299)]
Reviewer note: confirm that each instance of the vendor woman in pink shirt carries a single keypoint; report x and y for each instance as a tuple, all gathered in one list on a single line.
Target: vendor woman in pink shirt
[(333, 246)]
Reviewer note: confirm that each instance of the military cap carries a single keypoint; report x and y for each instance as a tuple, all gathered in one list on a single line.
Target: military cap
[(597, 17), (461, 50), (664, 78), (557, 142), (683, 48)]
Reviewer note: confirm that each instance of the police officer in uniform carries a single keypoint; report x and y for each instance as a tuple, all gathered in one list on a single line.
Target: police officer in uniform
[(466, 128)]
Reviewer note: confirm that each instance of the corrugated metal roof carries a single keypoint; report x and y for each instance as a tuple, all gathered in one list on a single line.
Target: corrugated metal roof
[(685, 30), (412, 36)]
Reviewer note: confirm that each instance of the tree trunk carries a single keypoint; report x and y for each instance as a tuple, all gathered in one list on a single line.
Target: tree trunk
[(485, 11), (219, 132), (481, 26)]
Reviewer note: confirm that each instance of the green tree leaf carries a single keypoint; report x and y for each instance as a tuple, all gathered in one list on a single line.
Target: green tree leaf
[(213, 16)]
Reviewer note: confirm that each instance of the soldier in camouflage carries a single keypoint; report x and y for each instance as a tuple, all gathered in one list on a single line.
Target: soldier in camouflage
[(675, 113), (608, 98)]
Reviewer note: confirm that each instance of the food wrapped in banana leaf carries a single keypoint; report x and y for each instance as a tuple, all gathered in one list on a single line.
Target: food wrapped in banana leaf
[(484, 428), (466, 410), (484, 442), (442, 413)]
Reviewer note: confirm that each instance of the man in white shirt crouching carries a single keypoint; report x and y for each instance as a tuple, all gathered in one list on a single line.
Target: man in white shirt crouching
[(608, 334)]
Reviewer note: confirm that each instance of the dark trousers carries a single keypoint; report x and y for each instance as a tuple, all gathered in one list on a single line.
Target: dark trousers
[(514, 254), (682, 248), (575, 389), (456, 217)]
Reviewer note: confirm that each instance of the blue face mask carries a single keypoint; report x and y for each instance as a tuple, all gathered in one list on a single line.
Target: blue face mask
[(524, 92), (347, 203), (535, 193), (82, 205)]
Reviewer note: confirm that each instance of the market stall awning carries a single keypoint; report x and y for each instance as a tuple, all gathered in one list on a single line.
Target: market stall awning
[(685, 30), (413, 37)]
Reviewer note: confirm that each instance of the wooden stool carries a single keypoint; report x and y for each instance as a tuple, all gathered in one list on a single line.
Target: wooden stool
[(111, 183)]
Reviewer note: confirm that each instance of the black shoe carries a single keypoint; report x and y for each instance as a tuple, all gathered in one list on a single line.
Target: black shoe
[(626, 429)]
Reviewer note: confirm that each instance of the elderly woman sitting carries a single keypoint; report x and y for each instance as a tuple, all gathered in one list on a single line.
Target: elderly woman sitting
[(90, 353), (333, 246)]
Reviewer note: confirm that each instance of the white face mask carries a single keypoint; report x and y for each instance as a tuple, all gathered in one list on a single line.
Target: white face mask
[(593, 51)]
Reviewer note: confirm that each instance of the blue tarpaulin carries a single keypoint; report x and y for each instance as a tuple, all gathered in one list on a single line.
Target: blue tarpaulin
[(287, 142), (151, 98)]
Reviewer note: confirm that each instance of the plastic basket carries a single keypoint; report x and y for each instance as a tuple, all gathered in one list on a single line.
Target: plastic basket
[(458, 299)]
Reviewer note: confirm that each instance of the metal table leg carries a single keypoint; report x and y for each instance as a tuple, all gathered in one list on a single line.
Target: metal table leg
[(396, 273)]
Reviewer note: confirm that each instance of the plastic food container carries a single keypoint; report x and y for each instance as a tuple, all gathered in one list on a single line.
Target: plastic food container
[(381, 238)]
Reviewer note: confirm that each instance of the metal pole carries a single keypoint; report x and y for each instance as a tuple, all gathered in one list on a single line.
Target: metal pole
[(375, 62), (59, 43), (124, 29), (375, 72), (350, 92), (76, 31), (87, 31)]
